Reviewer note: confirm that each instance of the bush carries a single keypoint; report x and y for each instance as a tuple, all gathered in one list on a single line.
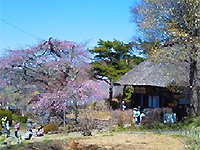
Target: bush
[(153, 117), (22, 119), (101, 106), (6, 113), (121, 118), (10, 116), (51, 127), (93, 105), (115, 105), (191, 122)]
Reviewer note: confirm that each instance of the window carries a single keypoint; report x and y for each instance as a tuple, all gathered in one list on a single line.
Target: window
[(154, 102), (150, 103)]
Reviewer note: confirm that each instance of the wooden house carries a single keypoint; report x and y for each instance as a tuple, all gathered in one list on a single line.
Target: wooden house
[(152, 80)]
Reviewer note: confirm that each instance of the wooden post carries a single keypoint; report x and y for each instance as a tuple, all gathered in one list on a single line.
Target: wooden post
[(123, 96)]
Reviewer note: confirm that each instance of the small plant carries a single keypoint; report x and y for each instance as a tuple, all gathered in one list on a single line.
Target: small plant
[(128, 94), (93, 105), (51, 128)]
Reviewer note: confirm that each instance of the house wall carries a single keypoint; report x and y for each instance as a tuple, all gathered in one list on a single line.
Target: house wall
[(117, 90)]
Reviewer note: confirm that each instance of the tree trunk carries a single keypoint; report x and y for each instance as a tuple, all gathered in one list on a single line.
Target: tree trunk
[(194, 88), (195, 100), (64, 113), (76, 109), (110, 92)]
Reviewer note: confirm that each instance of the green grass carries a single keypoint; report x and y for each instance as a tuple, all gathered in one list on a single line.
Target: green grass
[(193, 144), (47, 140), (120, 129), (108, 134), (23, 126), (191, 123), (2, 140)]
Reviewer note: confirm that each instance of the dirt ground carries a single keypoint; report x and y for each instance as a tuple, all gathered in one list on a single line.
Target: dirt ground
[(112, 141), (122, 141)]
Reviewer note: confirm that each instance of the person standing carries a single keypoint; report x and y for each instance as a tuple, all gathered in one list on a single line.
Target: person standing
[(123, 106), (134, 112), (8, 129), (17, 128), (142, 115), (139, 108), (137, 118), (3, 122)]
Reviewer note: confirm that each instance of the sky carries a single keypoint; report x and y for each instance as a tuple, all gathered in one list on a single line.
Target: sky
[(27, 22)]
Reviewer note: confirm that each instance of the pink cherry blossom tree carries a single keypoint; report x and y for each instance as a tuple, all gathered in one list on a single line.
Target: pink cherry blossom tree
[(56, 69)]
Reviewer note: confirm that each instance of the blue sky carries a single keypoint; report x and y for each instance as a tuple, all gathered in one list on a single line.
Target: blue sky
[(73, 20)]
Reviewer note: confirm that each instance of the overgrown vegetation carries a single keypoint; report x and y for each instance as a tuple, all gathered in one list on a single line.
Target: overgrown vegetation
[(6, 113), (51, 128), (10, 116), (191, 123), (121, 119), (153, 117), (22, 119)]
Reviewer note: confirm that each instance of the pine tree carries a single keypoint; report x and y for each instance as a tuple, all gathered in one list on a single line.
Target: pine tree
[(111, 61)]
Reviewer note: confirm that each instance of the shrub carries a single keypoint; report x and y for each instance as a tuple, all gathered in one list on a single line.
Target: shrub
[(128, 94), (101, 106), (51, 127), (115, 105), (22, 119), (6, 113), (153, 117), (93, 105), (121, 118), (191, 123), (10, 116)]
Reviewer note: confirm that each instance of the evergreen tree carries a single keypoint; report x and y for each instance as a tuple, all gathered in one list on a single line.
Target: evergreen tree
[(111, 61)]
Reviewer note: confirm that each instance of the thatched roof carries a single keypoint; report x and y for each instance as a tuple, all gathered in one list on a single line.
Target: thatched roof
[(162, 74)]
